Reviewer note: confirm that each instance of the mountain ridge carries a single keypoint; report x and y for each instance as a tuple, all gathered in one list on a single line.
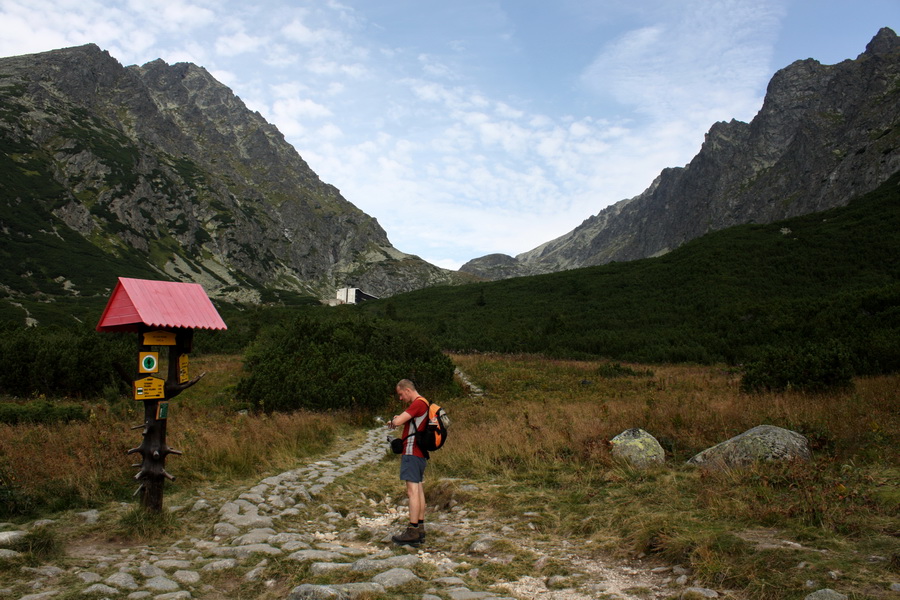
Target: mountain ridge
[(163, 162), (824, 134)]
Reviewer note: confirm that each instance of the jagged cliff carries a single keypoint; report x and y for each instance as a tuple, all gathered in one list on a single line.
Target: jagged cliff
[(824, 134), (163, 165)]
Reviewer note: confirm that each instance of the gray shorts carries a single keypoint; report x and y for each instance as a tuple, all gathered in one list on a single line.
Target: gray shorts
[(412, 468)]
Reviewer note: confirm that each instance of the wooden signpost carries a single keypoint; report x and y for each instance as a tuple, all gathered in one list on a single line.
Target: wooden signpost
[(163, 313)]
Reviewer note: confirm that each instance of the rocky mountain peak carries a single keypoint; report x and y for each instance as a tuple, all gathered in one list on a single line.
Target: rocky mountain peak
[(163, 164), (825, 134), (884, 42)]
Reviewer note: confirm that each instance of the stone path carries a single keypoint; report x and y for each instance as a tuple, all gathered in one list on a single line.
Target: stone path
[(280, 520)]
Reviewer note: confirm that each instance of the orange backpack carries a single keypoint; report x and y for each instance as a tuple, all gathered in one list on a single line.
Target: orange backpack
[(435, 433)]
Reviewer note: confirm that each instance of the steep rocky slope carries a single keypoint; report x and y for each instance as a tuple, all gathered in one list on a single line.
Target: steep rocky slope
[(163, 168), (825, 134)]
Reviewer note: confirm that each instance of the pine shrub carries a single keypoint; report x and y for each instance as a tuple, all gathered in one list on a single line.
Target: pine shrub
[(350, 362), (62, 361), (808, 367)]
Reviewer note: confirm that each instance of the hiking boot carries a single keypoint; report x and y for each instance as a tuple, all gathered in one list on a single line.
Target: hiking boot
[(422, 532), (409, 537)]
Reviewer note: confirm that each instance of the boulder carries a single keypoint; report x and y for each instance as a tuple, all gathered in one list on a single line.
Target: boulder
[(762, 443), (638, 448)]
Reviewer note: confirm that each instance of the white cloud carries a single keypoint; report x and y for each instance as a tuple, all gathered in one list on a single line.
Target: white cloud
[(713, 56), (455, 159), (238, 43)]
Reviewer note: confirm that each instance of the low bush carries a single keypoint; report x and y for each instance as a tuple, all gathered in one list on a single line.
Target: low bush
[(804, 367), (344, 362), (41, 411), (63, 361)]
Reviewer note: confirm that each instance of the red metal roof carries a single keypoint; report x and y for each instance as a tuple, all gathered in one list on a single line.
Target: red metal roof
[(158, 304)]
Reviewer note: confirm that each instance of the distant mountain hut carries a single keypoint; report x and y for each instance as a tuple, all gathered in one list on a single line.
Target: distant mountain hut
[(351, 295)]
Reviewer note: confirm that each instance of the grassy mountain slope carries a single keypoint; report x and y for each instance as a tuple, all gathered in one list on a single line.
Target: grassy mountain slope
[(828, 275)]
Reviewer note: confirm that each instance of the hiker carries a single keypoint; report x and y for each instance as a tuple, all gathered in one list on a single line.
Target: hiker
[(412, 461)]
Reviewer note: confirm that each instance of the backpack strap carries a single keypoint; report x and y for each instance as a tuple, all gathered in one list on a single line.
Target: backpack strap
[(415, 430)]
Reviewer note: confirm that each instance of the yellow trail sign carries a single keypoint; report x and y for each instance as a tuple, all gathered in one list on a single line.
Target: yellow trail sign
[(149, 388)]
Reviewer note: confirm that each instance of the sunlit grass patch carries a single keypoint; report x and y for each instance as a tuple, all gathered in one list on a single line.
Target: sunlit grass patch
[(540, 438), (142, 525)]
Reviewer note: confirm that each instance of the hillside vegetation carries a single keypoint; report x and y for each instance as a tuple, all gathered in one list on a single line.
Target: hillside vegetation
[(729, 296)]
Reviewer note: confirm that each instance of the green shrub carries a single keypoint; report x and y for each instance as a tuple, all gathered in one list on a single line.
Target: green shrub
[(806, 367), (612, 370), (41, 411), (63, 361), (347, 361), (42, 543)]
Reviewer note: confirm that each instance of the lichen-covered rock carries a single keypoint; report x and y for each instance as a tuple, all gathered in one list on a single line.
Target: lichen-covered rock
[(762, 443), (638, 448)]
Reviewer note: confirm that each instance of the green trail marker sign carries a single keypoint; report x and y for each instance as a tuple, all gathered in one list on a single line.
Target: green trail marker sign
[(148, 362)]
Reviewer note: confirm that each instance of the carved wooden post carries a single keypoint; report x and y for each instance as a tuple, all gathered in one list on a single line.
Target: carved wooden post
[(153, 448)]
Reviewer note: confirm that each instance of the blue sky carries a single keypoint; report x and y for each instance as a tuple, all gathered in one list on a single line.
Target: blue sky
[(475, 126)]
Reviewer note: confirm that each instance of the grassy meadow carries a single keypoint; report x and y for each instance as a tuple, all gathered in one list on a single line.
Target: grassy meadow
[(537, 443), (540, 436)]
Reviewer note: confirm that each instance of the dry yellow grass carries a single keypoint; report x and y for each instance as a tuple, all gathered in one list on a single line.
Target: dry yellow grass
[(539, 437), (61, 465), (538, 442), (539, 406)]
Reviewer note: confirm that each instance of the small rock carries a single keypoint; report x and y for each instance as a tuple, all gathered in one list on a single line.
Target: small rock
[(364, 589), (42, 523), (220, 565), (482, 545), (406, 561), (308, 591), (40, 595), (395, 578), (161, 584), (201, 504), (180, 595), (89, 577), (44, 571), (255, 536), (244, 552), (169, 563), (122, 581), (826, 594), (90, 516), (895, 587), (186, 577), (101, 589), (150, 571), (323, 555), (8, 538), (320, 568), (697, 593), (225, 529), (7, 553)]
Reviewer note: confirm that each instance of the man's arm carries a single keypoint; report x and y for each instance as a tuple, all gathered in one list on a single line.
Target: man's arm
[(405, 416), (399, 420)]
